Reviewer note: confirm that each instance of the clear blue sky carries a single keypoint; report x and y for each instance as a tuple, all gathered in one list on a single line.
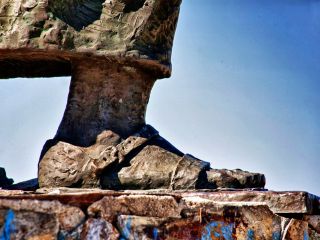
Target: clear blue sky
[(244, 94)]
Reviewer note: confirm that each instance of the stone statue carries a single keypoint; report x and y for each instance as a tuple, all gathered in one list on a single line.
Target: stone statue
[(114, 50)]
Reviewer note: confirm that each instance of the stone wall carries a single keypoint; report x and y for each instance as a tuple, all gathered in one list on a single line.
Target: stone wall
[(65, 213)]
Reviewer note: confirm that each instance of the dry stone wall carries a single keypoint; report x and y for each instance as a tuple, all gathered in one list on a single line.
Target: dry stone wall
[(64, 213)]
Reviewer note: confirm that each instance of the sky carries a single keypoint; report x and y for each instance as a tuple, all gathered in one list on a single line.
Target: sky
[(244, 93)]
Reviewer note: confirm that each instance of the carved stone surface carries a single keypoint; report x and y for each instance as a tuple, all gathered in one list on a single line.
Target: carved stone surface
[(115, 51), (224, 178), (156, 214), (45, 37)]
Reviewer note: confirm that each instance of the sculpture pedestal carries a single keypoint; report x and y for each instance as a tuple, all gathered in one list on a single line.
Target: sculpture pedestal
[(64, 213)]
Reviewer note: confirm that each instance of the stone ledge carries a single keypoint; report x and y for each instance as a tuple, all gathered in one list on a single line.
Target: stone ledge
[(290, 202), (65, 213)]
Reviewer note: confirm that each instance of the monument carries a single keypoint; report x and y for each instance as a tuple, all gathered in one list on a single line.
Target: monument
[(115, 50)]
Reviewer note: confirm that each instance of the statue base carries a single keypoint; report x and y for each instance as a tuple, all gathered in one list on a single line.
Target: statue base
[(64, 213)]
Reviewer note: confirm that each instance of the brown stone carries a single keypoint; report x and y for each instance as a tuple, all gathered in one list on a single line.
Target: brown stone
[(67, 217), (148, 205), (224, 178), (278, 202), (155, 214), (313, 221)]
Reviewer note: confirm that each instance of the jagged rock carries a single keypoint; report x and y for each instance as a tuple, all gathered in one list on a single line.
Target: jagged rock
[(4, 181), (224, 178), (99, 229), (154, 206), (141, 161)]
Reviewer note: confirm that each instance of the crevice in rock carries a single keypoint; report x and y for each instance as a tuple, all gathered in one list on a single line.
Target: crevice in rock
[(133, 5)]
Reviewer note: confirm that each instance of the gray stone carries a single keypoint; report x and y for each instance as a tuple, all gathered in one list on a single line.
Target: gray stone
[(155, 167), (224, 178)]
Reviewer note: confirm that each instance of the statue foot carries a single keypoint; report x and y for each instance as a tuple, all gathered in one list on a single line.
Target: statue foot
[(144, 160)]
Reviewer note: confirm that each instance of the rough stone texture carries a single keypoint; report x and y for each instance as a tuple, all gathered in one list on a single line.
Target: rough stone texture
[(160, 214), (141, 205), (67, 217), (4, 181), (144, 160), (42, 37), (97, 228), (115, 51), (224, 178)]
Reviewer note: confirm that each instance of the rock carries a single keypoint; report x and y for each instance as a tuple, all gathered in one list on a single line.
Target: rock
[(66, 165), (67, 217), (99, 229), (155, 167), (313, 221), (27, 225), (29, 185), (154, 206), (156, 214), (137, 227), (295, 229), (55, 34), (223, 178), (4, 181)]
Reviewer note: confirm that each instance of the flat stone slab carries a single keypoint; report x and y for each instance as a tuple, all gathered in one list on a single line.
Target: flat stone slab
[(290, 202)]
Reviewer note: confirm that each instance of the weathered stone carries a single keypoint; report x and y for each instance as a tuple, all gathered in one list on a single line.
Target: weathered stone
[(67, 217), (224, 178), (278, 202), (313, 221), (4, 181), (155, 167), (27, 225), (295, 229), (137, 227), (156, 214), (51, 34), (148, 205), (29, 185), (99, 229), (67, 165)]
